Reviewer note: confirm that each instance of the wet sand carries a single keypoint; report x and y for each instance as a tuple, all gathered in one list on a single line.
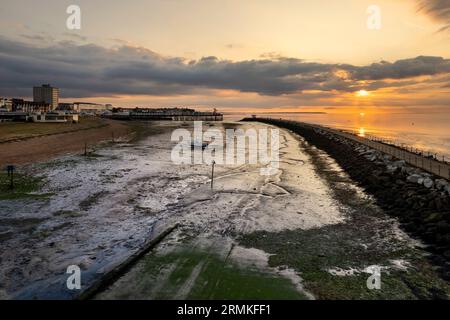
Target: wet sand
[(303, 234), (290, 235)]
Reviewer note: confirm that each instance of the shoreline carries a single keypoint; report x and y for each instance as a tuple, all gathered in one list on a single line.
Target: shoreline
[(422, 212)]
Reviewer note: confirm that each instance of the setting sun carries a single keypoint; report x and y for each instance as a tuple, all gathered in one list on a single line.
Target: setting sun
[(362, 93)]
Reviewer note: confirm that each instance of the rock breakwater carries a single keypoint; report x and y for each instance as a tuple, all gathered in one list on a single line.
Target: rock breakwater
[(419, 200)]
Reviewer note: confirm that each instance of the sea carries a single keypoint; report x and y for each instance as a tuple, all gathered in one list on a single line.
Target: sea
[(427, 132)]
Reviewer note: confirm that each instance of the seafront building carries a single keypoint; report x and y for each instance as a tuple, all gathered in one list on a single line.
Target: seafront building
[(46, 108), (43, 108), (54, 117), (84, 108), (46, 94), (21, 105)]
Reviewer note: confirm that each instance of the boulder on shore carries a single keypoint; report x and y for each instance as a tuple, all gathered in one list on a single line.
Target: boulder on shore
[(414, 178), (428, 183)]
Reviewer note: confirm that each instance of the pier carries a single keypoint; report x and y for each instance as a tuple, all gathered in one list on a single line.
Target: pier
[(169, 114)]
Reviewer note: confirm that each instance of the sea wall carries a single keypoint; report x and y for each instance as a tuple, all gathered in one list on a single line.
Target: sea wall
[(420, 200)]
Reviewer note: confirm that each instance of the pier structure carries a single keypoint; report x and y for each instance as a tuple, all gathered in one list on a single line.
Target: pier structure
[(172, 114)]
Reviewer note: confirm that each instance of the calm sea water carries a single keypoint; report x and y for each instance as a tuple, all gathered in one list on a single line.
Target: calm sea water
[(428, 132)]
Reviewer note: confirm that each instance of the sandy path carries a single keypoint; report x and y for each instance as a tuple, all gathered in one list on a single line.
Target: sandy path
[(47, 147)]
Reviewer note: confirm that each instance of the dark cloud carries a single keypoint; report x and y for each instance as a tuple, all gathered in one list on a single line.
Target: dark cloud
[(439, 10), (34, 37), (90, 70), (401, 69)]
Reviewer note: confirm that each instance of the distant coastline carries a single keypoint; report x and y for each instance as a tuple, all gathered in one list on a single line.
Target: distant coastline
[(295, 112), (290, 112)]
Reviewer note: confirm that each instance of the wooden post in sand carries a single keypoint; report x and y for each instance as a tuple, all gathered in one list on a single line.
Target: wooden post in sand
[(10, 169), (212, 174)]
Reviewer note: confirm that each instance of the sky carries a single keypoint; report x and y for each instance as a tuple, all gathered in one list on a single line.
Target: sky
[(244, 56)]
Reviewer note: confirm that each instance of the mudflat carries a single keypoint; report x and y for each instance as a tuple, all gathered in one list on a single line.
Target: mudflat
[(307, 232)]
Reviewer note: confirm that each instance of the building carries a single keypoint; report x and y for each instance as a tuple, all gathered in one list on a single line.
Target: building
[(6, 105), (90, 108), (13, 116), (20, 105), (20, 109), (46, 94), (84, 107), (66, 106), (60, 117)]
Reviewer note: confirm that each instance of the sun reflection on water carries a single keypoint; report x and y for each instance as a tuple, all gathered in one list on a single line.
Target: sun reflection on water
[(362, 132)]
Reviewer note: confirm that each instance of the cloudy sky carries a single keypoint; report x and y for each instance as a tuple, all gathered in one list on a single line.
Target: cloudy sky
[(284, 55)]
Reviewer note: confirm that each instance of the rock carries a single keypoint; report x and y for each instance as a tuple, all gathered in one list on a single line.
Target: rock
[(443, 227), (407, 170), (441, 184), (439, 203), (369, 152), (399, 163), (428, 183), (446, 276), (435, 216), (414, 178), (447, 254), (447, 188), (385, 179)]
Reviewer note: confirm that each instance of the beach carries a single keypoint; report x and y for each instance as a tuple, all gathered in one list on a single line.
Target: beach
[(308, 232)]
